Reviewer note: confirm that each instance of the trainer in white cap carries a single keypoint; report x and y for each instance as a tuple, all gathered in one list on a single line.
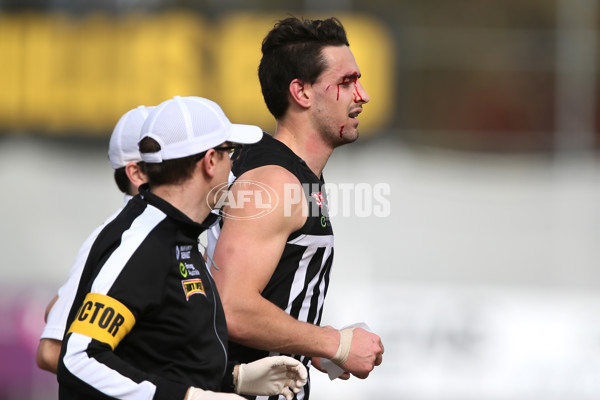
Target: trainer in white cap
[(123, 145), (185, 126)]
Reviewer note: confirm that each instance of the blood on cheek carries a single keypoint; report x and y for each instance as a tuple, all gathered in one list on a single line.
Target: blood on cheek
[(338, 90)]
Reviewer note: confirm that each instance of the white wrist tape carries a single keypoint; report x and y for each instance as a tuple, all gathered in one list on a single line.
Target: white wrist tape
[(343, 350)]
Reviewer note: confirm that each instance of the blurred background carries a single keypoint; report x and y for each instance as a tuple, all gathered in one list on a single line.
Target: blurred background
[(483, 281)]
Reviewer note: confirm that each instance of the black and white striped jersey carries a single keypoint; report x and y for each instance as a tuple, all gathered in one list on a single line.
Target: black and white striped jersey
[(300, 281), (147, 321)]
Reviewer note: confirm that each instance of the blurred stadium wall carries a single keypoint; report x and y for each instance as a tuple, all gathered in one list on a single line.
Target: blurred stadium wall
[(482, 279)]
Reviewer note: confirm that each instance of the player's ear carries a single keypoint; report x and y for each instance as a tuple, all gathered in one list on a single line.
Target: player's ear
[(135, 174), (208, 163), (300, 93)]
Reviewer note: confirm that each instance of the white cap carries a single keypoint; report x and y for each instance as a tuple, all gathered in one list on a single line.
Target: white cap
[(184, 126), (123, 145)]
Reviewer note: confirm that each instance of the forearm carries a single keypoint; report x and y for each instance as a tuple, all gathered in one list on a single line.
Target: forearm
[(47, 355), (258, 323)]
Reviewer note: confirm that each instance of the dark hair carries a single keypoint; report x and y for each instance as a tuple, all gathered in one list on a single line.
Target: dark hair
[(292, 49), (169, 171), (122, 180)]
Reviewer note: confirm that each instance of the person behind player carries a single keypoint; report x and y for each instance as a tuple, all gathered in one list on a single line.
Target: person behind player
[(125, 159), (273, 271), (147, 322)]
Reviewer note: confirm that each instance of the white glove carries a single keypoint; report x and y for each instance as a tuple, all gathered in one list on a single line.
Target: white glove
[(199, 394), (271, 376)]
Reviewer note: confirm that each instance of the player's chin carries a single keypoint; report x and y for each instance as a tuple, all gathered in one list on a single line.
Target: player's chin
[(350, 137)]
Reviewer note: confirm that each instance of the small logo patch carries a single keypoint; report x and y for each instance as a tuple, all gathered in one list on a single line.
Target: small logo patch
[(183, 252), (188, 269), (192, 286), (319, 198), (323, 221), (183, 270)]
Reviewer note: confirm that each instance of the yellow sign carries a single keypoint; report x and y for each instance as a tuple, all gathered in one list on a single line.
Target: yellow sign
[(192, 286), (66, 75), (104, 319)]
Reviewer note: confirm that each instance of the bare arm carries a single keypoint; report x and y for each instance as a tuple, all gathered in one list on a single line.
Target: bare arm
[(247, 253), (47, 355), (48, 350)]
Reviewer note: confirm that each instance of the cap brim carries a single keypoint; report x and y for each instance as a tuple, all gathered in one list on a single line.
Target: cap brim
[(245, 134)]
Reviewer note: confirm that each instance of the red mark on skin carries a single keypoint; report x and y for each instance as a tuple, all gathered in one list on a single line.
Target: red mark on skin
[(357, 96), (352, 78), (342, 131), (338, 90)]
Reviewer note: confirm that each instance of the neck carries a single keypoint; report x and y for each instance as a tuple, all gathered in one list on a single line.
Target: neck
[(186, 199), (307, 144)]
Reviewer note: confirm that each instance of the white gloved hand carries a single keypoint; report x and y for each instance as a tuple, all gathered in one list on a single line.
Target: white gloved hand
[(271, 376), (199, 394)]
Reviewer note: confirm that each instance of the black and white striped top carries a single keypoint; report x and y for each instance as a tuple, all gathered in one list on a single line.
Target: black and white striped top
[(147, 321), (300, 280)]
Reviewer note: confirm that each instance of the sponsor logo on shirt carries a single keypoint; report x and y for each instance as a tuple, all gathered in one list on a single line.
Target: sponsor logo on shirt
[(323, 221), (319, 198), (183, 252), (187, 269), (322, 203), (192, 286)]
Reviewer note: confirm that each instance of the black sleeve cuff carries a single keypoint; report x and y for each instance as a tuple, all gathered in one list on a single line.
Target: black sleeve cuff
[(227, 382), (167, 390)]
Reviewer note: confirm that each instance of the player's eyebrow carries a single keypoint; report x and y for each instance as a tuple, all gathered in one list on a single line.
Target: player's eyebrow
[(351, 77)]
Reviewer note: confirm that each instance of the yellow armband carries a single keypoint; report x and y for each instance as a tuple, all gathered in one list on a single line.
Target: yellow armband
[(104, 319)]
